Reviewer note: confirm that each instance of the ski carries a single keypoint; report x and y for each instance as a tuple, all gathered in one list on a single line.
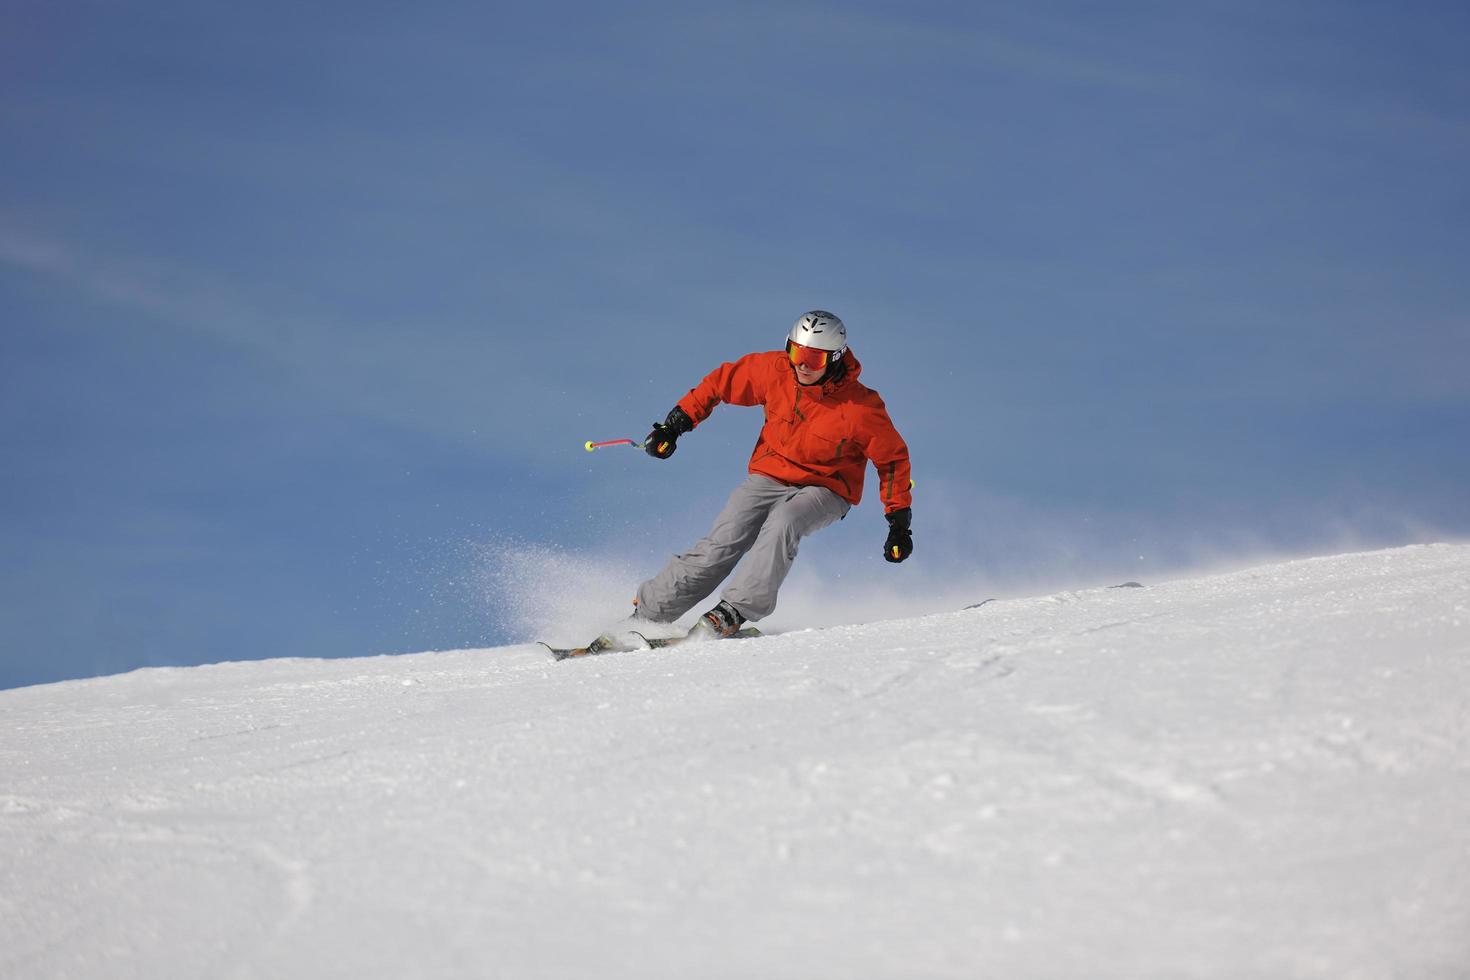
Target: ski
[(659, 643), (609, 643), (606, 643)]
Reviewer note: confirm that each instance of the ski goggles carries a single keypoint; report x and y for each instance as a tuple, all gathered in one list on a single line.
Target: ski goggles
[(811, 358)]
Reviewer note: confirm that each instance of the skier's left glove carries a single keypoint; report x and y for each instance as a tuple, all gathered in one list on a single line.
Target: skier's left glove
[(900, 543), (662, 441)]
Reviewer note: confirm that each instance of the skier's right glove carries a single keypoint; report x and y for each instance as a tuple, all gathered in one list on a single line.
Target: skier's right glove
[(662, 441), (900, 543)]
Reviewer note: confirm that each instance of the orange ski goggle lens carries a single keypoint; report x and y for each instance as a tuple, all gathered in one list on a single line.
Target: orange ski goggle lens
[(812, 358)]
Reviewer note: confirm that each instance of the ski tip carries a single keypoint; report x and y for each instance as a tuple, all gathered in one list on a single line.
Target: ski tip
[(564, 653)]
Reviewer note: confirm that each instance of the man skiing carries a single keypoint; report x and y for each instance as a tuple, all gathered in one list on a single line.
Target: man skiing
[(822, 428)]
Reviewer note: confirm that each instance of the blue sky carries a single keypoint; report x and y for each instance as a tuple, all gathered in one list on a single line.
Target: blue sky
[(306, 311)]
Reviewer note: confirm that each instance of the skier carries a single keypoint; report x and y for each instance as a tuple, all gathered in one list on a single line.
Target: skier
[(822, 427)]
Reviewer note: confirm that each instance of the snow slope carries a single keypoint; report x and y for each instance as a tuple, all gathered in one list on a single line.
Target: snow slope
[(1258, 774)]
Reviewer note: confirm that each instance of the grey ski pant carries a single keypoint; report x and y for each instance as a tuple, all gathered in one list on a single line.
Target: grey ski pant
[(763, 522)]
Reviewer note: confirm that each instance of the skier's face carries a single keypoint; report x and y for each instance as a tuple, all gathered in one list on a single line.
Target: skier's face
[(809, 363)]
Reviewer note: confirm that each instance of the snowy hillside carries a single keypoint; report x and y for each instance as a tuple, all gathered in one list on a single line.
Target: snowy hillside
[(1258, 774)]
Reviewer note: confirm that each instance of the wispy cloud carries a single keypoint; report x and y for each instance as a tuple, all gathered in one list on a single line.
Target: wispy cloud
[(375, 369)]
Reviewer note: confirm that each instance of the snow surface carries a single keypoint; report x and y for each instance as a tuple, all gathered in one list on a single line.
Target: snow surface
[(1257, 774)]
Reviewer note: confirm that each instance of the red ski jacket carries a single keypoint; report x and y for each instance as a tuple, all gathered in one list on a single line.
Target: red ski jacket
[(819, 435)]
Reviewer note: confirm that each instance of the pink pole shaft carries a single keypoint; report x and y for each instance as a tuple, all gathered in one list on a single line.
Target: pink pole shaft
[(610, 442)]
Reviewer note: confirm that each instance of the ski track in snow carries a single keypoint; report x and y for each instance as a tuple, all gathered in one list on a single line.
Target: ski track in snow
[(1258, 774)]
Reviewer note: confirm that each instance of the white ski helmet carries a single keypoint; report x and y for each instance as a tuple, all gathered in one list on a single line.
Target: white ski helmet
[(822, 330)]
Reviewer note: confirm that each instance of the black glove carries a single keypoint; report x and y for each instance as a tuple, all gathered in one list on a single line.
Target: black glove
[(660, 443), (900, 543)]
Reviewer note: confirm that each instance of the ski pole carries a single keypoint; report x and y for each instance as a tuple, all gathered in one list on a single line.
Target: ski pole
[(589, 445)]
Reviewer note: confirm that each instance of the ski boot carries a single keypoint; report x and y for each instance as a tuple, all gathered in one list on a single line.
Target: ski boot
[(719, 623)]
